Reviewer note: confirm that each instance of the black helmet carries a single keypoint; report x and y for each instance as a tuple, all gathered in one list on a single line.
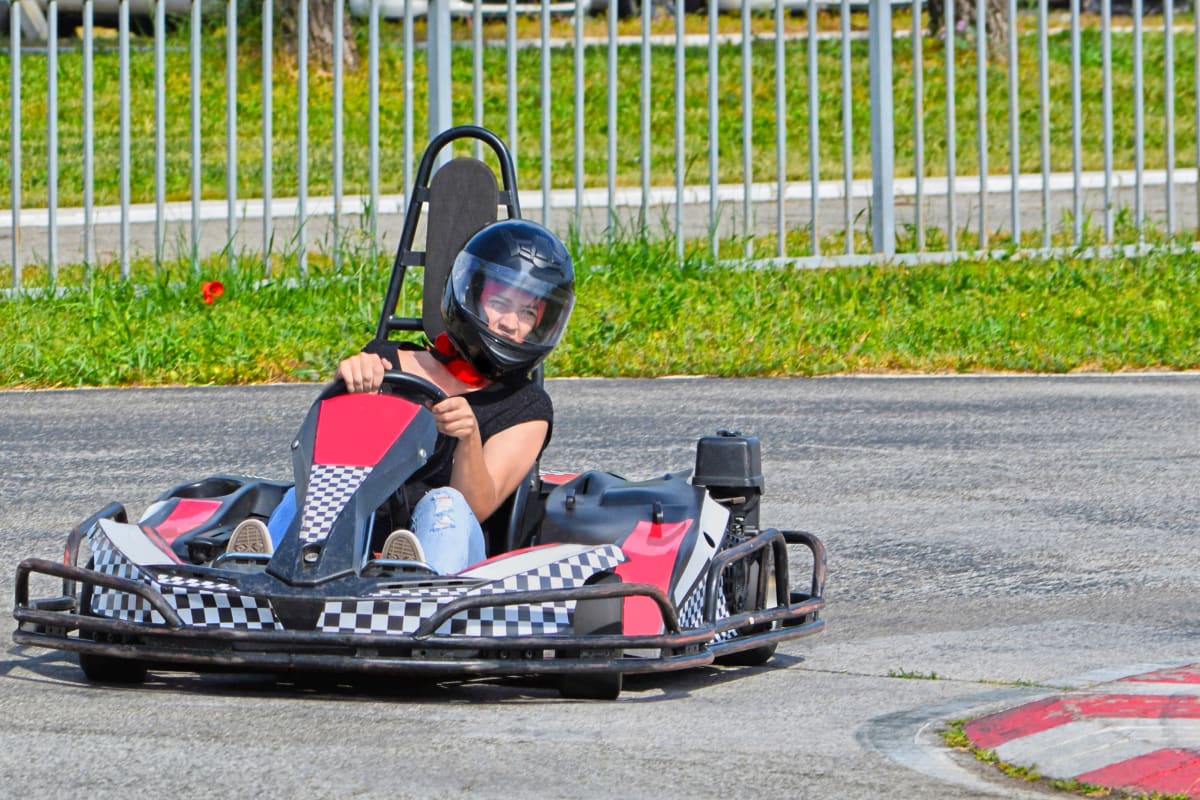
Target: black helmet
[(519, 270)]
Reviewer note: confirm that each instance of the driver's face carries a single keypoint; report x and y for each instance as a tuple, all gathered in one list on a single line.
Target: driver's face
[(511, 313)]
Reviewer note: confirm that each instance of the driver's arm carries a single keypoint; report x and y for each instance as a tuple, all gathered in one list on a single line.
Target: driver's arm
[(487, 474)]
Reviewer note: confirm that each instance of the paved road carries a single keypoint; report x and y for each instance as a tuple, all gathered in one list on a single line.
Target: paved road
[(988, 538)]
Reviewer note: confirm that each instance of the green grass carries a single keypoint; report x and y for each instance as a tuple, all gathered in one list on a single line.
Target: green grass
[(641, 312), (527, 144), (909, 675)]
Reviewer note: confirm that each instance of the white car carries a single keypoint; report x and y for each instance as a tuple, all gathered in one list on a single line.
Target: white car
[(35, 12), (394, 9)]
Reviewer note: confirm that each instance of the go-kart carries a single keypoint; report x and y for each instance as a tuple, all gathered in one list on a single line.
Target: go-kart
[(589, 576)]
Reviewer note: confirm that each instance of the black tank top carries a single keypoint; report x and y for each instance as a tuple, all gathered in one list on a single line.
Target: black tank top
[(497, 406)]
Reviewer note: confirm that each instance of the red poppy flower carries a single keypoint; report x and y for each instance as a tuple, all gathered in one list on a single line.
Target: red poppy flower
[(211, 290)]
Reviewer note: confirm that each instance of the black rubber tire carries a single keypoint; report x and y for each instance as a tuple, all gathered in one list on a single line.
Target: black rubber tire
[(596, 616), (754, 657), (600, 686), (106, 669)]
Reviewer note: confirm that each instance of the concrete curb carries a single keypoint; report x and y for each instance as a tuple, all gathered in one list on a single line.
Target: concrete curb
[(1139, 733)]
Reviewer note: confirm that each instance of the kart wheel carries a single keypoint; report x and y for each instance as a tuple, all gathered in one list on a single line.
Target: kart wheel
[(595, 617), (605, 686), (764, 589), (106, 669), (754, 657)]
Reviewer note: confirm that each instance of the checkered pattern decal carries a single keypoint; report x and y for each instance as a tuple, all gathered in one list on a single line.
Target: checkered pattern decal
[(166, 579), (402, 611), (692, 613), (329, 486), (391, 611), (207, 609), (210, 603), (108, 560), (200, 602)]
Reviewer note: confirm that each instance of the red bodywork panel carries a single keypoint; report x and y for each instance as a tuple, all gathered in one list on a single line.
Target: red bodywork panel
[(352, 431), (558, 478), (652, 549), (187, 515)]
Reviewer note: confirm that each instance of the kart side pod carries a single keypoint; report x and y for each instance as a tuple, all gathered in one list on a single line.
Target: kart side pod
[(729, 465)]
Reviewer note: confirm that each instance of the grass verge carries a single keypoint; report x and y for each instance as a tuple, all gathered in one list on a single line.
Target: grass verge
[(641, 312)]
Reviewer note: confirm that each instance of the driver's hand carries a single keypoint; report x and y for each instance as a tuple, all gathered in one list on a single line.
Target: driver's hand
[(454, 417), (363, 372)]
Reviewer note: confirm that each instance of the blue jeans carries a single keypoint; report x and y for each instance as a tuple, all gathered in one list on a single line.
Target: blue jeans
[(281, 518), (442, 521), (448, 531)]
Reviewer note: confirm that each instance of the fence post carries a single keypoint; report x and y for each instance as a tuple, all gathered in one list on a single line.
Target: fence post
[(231, 148), (52, 140), (440, 110), (14, 95), (883, 154)]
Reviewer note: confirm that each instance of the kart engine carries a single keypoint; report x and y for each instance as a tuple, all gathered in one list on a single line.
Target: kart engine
[(729, 466)]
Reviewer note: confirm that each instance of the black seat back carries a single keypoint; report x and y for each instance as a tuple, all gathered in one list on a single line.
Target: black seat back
[(460, 197)]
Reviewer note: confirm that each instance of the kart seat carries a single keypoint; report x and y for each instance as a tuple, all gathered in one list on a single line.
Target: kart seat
[(511, 526), (462, 191), (459, 198)]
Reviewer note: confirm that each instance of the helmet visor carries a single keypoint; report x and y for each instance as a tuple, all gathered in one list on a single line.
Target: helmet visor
[(512, 304)]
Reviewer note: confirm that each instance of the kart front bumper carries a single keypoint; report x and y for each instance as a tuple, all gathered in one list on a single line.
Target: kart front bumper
[(57, 623)]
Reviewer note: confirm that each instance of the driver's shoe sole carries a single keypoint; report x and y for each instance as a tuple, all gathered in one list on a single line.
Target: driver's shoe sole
[(250, 536), (402, 545)]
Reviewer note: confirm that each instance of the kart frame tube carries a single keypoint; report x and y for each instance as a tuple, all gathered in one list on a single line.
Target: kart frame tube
[(779, 541), (695, 652), (235, 648), (800, 610), (420, 195), (798, 607), (35, 614)]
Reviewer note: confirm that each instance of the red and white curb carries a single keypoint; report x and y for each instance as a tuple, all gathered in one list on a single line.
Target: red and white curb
[(1140, 733)]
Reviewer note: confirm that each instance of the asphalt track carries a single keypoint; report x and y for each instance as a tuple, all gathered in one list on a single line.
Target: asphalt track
[(991, 540)]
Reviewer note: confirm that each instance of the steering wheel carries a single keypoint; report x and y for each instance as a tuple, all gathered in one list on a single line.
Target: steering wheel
[(411, 386), (402, 384)]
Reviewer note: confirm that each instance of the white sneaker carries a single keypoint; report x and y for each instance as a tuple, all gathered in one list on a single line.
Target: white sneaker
[(250, 536), (402, 545)]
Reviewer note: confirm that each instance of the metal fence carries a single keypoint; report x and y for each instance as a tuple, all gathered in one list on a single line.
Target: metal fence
[(820, 134)]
